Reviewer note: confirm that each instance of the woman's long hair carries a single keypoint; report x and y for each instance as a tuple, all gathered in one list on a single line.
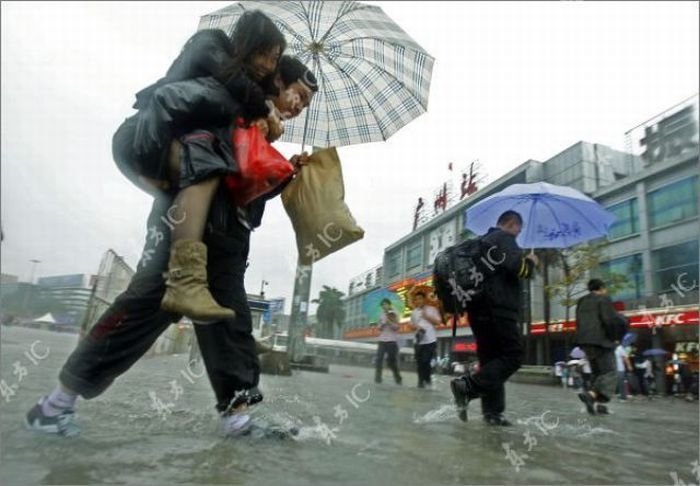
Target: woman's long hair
[(254, 33)]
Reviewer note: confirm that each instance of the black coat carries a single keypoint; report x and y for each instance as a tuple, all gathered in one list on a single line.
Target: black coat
[(193, 94), (595, 321), (205, 54), (502, 287), (204, 104)]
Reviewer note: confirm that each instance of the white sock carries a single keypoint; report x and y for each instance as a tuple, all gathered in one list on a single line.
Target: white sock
[(57, 402)]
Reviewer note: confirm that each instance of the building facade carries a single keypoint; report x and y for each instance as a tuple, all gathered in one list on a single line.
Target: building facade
[(72, 291), (652, 188)]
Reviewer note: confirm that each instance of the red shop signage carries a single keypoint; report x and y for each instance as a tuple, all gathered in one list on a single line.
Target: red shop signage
[(650, 319)]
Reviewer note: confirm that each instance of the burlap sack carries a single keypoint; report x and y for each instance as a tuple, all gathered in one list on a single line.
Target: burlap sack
[(315, 203)]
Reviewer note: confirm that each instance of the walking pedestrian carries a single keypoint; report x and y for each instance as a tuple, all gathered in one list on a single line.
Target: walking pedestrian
[(650, 376), (493, 318), (623, 366), (595, 330), (387, 342), (134, 321), (640, 368), (423, 319), (245, 65)]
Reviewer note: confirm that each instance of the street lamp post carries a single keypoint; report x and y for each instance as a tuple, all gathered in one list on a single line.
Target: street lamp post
[(34, 264), (300, 308), (30, 288), (262, 288)]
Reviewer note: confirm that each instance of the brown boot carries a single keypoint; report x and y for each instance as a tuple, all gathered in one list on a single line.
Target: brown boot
[(187, 291)]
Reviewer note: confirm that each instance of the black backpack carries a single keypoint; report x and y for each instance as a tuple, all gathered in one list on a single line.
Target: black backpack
[(459, 273)]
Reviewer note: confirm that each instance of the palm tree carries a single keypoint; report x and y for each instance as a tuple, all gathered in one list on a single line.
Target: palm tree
[(330, 312)]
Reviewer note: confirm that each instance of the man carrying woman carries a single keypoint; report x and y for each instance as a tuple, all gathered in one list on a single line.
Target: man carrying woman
[(205, 252)]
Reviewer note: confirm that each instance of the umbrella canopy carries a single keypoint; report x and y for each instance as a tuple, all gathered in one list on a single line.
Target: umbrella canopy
[(629, 338), (577, 353), (553, 216), (573, 362), (373, 77), (430, 298), (655, 352)]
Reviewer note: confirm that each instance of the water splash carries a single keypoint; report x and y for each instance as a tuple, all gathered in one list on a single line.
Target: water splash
[(443, 414)]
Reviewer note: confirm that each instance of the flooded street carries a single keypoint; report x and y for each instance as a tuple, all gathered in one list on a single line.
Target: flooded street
[(351, 431)]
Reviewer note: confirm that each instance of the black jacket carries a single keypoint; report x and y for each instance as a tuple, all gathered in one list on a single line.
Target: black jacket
[(205, 54), (203, 104), (595, 321), (193, 94), (502, 287)]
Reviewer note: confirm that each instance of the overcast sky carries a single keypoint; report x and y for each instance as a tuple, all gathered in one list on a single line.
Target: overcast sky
[(512, 81)]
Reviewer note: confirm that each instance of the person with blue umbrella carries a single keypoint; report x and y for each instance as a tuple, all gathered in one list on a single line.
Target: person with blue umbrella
[(555, 216), (493, 317)]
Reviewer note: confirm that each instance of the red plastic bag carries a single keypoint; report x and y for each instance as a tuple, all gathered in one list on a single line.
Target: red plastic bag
[(261, 168)]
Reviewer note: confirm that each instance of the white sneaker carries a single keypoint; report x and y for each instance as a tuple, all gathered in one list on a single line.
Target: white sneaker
[(62, 424), (236, 424)]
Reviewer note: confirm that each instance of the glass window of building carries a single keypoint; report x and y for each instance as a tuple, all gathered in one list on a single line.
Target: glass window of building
[(674, 202), (627, 223), (632, 268), (393, 264), (675, 264), (414, 254)]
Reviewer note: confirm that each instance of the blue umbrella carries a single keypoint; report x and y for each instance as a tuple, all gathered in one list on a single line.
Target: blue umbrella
[(629, 338), (553, 216), (577, 353), (655, 352)]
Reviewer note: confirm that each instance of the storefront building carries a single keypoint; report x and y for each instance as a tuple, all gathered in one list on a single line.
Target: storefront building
[(653, 189)]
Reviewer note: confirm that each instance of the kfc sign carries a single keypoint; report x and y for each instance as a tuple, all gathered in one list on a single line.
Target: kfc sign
[(652, 318), (659, 320)]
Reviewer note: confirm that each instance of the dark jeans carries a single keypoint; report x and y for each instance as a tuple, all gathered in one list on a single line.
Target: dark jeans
[(391, 349), (500, 352), (424, 353), (641, 381), (603, 370), (130, 326), (586, 381)]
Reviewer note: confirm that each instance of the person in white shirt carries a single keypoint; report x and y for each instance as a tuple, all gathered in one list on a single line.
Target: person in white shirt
[(423, 318), (387, 342), (623, 366)]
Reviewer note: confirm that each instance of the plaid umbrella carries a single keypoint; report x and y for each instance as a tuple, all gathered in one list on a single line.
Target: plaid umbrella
[(373, 77)]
